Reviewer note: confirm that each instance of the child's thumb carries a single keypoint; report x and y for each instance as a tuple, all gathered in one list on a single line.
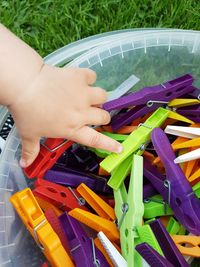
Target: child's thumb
[(30, 150)]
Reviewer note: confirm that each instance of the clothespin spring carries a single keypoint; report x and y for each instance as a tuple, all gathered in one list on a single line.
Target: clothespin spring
[(81, 201), (167, 184), (124, 210), (55, 148), (36, 236), (95, 260)]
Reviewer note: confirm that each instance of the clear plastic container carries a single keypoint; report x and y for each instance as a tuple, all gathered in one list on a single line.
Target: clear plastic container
[(153, 56)]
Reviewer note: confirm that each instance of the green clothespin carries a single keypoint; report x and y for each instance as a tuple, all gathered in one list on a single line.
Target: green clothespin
[(196, 189), (120, 173), (117, 137), (155, 206), (101, 153), (135, 140), (173, 227), (129, 210), (182, 230)]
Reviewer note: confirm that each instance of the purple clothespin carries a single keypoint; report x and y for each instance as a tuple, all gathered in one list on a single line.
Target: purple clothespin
[(191, 112), (150, 95), (149, 191), (195, 93), (167, 245), (152, 257), (175, 188), (85, 158), (82, 248), (73, 178)]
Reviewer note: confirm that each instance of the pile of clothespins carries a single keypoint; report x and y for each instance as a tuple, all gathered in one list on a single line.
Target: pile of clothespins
[(90, 207)]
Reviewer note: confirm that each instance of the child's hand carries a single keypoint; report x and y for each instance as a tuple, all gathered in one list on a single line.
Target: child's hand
[(61, 103)]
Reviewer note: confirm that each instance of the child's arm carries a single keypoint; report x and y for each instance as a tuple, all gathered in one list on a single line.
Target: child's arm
[(47, 101)]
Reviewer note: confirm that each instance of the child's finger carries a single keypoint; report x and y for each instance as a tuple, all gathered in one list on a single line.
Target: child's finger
[(89, 74), (89, 137), (30, 150), (98, 96), (97, 116)]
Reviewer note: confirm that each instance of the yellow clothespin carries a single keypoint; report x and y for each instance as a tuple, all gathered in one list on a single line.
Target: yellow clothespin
[(183, 102), (40, 229)]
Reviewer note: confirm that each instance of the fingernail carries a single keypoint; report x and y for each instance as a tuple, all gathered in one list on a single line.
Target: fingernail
[(23, 163), (119, 149)]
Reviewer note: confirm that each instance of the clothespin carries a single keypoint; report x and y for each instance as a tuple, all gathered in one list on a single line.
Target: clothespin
[(104, 222), (183, 102), (55, 224), (173, 227), (195, 154), (117, 137), (120, 173), (32, 216), (188, 132), (85, 158), (155, 206), (82, 247), (162, 92), (148, 190), (97, 223), (60, 196), (97, 203), (70, 177), (123, 88), (194, 177), (192, 113), (135, 140), (138, 111), (175, 188), (113, 253), (188, 244), (196, 189), (149, 99), (126, 129), (187, 144), (50, 151), (167, 245), (151, 256), (45, 205), (129, 211)]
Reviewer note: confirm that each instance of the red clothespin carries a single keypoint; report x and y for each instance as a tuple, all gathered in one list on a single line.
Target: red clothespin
[(50, 151), (62, 197)]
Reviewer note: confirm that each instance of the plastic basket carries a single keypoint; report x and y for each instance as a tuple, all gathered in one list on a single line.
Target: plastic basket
[(153, 56)]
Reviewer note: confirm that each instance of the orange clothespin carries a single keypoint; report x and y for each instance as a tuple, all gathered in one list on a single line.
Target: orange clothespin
[(107, 128), (103, 172), (40, 229), (196, 174), (45, 205), (104, 222), (165, 220), (97, 223), (189, 169), (126, 129), (98, 204), (188, 143), (188, 245), (148, 155)]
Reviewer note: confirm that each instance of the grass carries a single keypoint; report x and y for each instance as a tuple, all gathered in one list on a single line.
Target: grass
[(49, 24)]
